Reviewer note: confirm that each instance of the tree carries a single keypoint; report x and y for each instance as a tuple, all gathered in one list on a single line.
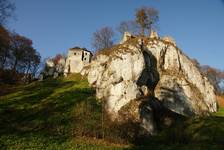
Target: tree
[(57, 58), (31, 62), (146, 17), (20, 47), (103, 38), (4, 46), (6, 10), (24, 58), (215, 77), (153, 17), (141, 19), (128, 26), (18, 59)]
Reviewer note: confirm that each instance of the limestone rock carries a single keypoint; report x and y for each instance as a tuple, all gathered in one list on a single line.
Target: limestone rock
[(115, 77), (50, 62), (53, 67), (136, 78), (182, 88), (126, 37), (153, 34), (169, 39)]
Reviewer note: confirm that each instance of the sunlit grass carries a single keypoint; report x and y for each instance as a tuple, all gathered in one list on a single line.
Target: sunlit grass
[(41, 115)]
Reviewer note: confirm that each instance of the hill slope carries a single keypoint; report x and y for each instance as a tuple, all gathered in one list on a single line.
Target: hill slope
[(64, 114), (49, 114)]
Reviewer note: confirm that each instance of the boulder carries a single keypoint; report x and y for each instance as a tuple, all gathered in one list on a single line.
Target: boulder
[(137, 78)]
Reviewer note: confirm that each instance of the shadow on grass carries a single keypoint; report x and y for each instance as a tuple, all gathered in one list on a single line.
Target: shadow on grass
[(197, 133)]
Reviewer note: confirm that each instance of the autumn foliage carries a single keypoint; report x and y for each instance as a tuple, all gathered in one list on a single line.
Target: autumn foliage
[(57, 58), (18, 59)]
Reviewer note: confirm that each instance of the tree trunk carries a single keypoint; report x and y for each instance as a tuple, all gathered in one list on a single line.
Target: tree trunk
[(150, 29), (27, 71), (3, 60), (143, 31), (14, 66)]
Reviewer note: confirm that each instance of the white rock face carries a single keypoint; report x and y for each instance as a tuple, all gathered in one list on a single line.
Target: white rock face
[(137, 71), (115, 78), (49, 63), (180, 78), (169, 39), (126, 37), (53, 68), (153, 34)]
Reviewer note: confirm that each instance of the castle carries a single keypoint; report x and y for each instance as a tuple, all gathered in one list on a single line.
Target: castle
[(77, 58)]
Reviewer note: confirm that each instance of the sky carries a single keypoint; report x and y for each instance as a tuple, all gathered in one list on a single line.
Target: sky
[(57, 25)]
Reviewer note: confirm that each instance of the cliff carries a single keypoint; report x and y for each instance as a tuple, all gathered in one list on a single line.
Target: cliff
[(144, 75)]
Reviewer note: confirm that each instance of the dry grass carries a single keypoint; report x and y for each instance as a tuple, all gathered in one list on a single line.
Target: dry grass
[(220, 100)]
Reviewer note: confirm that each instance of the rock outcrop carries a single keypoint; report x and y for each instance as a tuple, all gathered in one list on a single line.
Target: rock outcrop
[(53, 67), (142, 74)]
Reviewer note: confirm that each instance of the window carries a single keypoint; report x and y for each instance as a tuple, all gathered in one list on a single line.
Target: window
[(74, 53), (85, 53), (84, 58)]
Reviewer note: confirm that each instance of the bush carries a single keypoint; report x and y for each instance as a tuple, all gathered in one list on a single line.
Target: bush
[(88, 117)]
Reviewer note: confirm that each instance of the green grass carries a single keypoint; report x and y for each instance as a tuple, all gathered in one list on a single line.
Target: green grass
[(47, 115), (64, 114), (220, 112)]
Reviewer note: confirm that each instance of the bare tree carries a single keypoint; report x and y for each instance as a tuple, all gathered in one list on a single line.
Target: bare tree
[(141, 19), (146, 17), (6, 10), (129, 26), (4, 46), (103, 38), (153, 17)]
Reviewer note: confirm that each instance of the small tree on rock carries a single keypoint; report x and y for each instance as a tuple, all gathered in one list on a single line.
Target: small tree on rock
[(129, 26), (146, 17)]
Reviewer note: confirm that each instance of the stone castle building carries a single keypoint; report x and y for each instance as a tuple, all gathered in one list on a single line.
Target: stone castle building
[(77, 58)]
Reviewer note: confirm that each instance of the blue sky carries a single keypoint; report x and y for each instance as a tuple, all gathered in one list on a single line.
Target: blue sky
[(56, 25)]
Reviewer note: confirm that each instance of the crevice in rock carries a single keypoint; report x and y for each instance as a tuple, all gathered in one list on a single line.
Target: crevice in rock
[(150, 105), (150, 75), (178, 59), (162, 57)]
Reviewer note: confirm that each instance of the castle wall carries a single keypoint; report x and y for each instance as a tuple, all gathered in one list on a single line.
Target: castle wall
[(76, 60)]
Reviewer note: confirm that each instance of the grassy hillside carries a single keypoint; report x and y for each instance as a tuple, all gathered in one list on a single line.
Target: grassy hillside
[(64, 114), (49, 115)]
